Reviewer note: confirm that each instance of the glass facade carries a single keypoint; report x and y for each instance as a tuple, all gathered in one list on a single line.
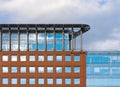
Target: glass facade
[(33, 42), (103, 69)]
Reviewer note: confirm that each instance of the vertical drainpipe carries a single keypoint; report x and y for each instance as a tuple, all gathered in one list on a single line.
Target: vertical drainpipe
[(63, 42), (81, 48)]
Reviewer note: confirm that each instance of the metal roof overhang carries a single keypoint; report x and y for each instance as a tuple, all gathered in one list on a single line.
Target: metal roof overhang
[(47, 27)]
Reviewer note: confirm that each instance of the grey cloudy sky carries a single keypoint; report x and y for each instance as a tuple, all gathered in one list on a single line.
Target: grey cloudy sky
[(102, 15)]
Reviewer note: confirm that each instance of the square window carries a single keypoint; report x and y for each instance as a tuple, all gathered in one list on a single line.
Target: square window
[(14, 58), (76, 69), (68, 69), (32, 81), (31, 58), (76, 58), (49, 58), (50, 69), (58, 58), (5, 58), (5, 69), (67, 58), (32, 69), (23, 58), (49, 81), (67, 81), (58, 81), (22, 80), (4, 80), (14, 81), (23, 69), (58, 69), (40, 58), (40, 69), (76, 81), (41, 81), (14, 69)]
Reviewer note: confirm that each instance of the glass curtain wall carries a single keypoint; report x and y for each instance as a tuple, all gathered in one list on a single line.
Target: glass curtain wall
[(58, 41), (41, 41), (23, 42), (32, 42), (5, 41), (103, 69), (66, 42), (14, 42), (50, 41)]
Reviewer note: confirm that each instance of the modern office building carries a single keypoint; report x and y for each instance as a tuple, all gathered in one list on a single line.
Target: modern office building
[(42, 55), (103, 69)]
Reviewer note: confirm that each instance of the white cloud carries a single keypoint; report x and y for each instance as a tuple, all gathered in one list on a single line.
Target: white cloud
[(102, 15), (107, 45), (29, 10)]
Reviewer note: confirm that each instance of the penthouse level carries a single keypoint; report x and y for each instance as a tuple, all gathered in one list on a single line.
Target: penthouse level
[(41, 37)]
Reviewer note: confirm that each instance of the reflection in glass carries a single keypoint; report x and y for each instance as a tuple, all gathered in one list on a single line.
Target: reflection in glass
[(14, 81), (32, 42), (50, 41), (66, 42), (4, 80), (14, 42), (22, 80), (5, 41), (41, 41), (23, 42), (58, 41), (41, 81)]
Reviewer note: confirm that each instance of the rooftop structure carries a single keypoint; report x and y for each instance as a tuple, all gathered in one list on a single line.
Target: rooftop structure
[(35, 55)]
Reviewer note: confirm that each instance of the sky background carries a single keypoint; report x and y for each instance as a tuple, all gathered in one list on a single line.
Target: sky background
[(102, 15)]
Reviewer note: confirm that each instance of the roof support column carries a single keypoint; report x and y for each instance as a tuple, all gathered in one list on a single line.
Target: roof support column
[(81, 42), (36, 40), (27, 40), (75, 43), (54, 40), (18, 40), (69, 41), (72, 40), (45, 40), (9, 40), (63, 42)]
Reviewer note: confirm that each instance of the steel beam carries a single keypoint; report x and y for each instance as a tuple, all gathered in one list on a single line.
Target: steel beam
[(81, 42), (18, 40), (36, 40), (45, 40), (63, 42), (27, 40), (9, 40)]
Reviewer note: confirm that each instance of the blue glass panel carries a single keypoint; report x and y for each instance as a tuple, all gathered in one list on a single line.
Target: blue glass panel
[(5, 41), (58, 42), (32, 41), (50, 41), (66, 41), (41, 41)]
